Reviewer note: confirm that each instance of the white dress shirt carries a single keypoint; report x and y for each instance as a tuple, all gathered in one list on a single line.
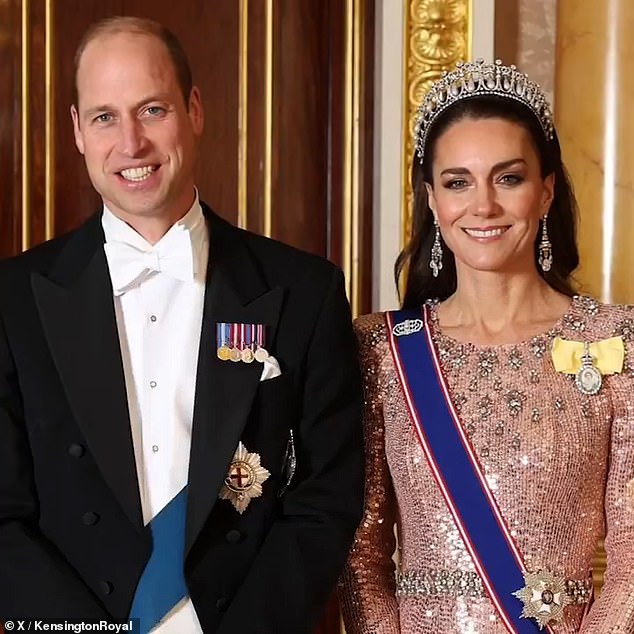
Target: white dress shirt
[(159, 320)]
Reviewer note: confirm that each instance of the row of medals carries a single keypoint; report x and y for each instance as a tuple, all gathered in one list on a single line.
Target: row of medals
[(246, 355)]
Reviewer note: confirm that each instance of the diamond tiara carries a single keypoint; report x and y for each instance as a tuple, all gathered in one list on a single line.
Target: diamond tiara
[(473, 79)]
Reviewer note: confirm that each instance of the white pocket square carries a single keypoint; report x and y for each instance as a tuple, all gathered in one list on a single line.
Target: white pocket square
[(270, 369)]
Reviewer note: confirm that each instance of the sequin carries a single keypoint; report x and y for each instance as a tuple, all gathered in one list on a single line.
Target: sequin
[(629, 495), (586, 410), (550, 480), (538, 347), (515, 359), (626, 329), (459, 402), (574, 323), (486, 362), (515, 401), (485, 407)]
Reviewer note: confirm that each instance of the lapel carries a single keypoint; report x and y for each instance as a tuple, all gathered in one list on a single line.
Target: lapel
[(76, 308), (237, 293)]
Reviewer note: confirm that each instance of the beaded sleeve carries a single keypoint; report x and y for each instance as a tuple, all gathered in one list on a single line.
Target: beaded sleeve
[(367, 587), (613, 612)]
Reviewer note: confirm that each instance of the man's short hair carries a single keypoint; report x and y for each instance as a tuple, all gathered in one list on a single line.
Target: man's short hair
[(145, 26)]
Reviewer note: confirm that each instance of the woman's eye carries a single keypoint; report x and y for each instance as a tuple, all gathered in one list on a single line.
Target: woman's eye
[(456, 183), (511, 179)]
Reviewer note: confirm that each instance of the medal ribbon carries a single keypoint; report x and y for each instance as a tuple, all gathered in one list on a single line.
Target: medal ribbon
[(608, 355), (222, 334), (457, 471)]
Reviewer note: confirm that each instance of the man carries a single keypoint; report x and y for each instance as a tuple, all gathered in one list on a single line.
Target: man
[(179, 400)]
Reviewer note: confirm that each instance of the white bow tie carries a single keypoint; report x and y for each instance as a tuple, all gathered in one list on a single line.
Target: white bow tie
[(129, 265)]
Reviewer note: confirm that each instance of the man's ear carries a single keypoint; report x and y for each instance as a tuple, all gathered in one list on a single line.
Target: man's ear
[(79, 137), (195, 111)]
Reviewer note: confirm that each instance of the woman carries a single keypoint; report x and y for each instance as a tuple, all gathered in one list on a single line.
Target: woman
[(499, 410)]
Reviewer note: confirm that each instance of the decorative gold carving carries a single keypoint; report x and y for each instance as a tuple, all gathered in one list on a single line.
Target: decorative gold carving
[(437, 35), (243, 105)]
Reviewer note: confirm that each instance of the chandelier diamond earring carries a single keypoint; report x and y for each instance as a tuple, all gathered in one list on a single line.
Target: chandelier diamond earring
[(545, 248), (435, 263)]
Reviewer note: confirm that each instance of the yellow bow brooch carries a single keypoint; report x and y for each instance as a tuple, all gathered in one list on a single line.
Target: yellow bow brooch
[(588, 362)]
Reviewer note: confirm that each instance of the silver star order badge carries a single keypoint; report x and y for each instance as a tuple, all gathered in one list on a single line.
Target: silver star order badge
[(544, 597), (244, 479)]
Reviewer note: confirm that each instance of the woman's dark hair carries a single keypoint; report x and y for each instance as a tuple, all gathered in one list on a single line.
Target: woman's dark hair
[(420, 284)]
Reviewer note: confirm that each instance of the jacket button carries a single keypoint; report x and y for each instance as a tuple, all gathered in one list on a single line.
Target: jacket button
[(221, 604), (106, 587), (90, 518), (233, 536), (76, 451)]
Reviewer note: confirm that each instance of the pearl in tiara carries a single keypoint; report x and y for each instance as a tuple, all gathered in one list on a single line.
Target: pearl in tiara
[(474, 79)]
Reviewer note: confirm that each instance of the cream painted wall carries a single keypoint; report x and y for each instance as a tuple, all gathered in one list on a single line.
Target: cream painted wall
[(388, 149)]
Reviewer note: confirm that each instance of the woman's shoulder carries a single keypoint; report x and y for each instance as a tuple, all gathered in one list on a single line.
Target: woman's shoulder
[(604, 319), (370, 329), (371, 332)]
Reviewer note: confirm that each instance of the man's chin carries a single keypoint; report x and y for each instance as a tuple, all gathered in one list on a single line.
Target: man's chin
[(135, 206)]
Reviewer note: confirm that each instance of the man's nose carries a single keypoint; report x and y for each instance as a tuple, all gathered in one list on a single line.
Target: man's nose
[(132, 138)]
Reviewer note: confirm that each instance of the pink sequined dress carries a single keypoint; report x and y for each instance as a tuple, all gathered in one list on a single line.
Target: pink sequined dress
[(559, 463)]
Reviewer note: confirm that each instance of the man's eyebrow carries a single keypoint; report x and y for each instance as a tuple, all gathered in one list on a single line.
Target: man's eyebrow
[(91, 112)]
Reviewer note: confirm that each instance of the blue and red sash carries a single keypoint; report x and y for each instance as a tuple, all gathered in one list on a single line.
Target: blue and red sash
[(456, 468)]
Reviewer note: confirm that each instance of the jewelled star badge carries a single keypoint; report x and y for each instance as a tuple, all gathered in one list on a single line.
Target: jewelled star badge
[(244, 479), (544, 597)]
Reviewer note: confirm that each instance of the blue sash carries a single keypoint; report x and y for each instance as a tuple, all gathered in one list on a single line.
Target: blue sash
[(456, 468), (162, 584)]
